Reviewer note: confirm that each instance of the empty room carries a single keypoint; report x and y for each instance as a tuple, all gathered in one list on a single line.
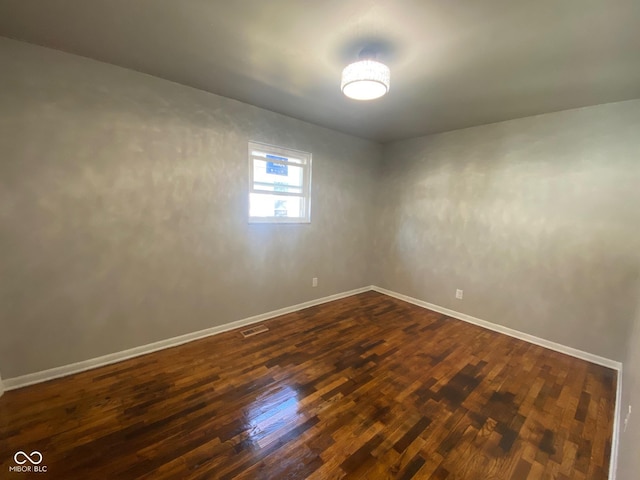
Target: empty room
[(368, 239)]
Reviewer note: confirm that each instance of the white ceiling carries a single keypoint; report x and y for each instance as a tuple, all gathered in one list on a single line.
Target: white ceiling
[(453, 63)]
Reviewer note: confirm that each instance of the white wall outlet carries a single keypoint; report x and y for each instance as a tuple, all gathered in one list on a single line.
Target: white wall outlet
[(626, 419), (459, 294), (314, 282)]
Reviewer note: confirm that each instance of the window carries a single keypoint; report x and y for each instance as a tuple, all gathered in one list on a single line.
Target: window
[(279, 185)]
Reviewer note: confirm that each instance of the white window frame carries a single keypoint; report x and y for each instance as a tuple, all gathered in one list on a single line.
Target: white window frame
[(304, 196)]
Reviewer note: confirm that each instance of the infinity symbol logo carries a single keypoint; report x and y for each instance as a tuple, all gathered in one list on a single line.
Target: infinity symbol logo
[(31, 458)]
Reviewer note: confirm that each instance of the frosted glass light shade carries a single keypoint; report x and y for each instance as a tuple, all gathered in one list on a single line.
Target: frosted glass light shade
[(365, 80)]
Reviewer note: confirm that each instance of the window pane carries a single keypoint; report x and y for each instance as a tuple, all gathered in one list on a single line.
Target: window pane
[(277, 174), (279, 184), (282, 158), (265, 205)]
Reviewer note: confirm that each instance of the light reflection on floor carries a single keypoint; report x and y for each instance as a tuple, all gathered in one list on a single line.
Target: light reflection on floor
[(270, 413)]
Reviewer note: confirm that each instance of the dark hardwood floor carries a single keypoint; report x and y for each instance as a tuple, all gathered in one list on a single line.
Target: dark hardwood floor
[(367, 387)]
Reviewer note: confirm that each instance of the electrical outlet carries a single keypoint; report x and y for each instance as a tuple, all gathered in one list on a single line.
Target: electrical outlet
[(626, 419), (459, 294), (314, 282)]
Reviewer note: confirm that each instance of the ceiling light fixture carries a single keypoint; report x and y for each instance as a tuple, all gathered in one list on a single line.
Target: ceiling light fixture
[(366, 79)]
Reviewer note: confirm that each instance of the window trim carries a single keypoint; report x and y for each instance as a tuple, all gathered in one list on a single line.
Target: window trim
[(305, 194)]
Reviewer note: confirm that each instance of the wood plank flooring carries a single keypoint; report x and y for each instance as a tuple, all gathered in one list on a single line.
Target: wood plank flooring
[(367, 387)]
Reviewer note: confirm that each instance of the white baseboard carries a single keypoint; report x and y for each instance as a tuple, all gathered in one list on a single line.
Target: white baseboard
[(63, 371), (45, 375), (53, 373), (574, 352), (613, 464)]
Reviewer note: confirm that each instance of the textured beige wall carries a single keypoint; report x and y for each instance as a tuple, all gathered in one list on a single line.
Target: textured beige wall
[(123, 211), (536, 219), (629, 440), (123, 215)]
